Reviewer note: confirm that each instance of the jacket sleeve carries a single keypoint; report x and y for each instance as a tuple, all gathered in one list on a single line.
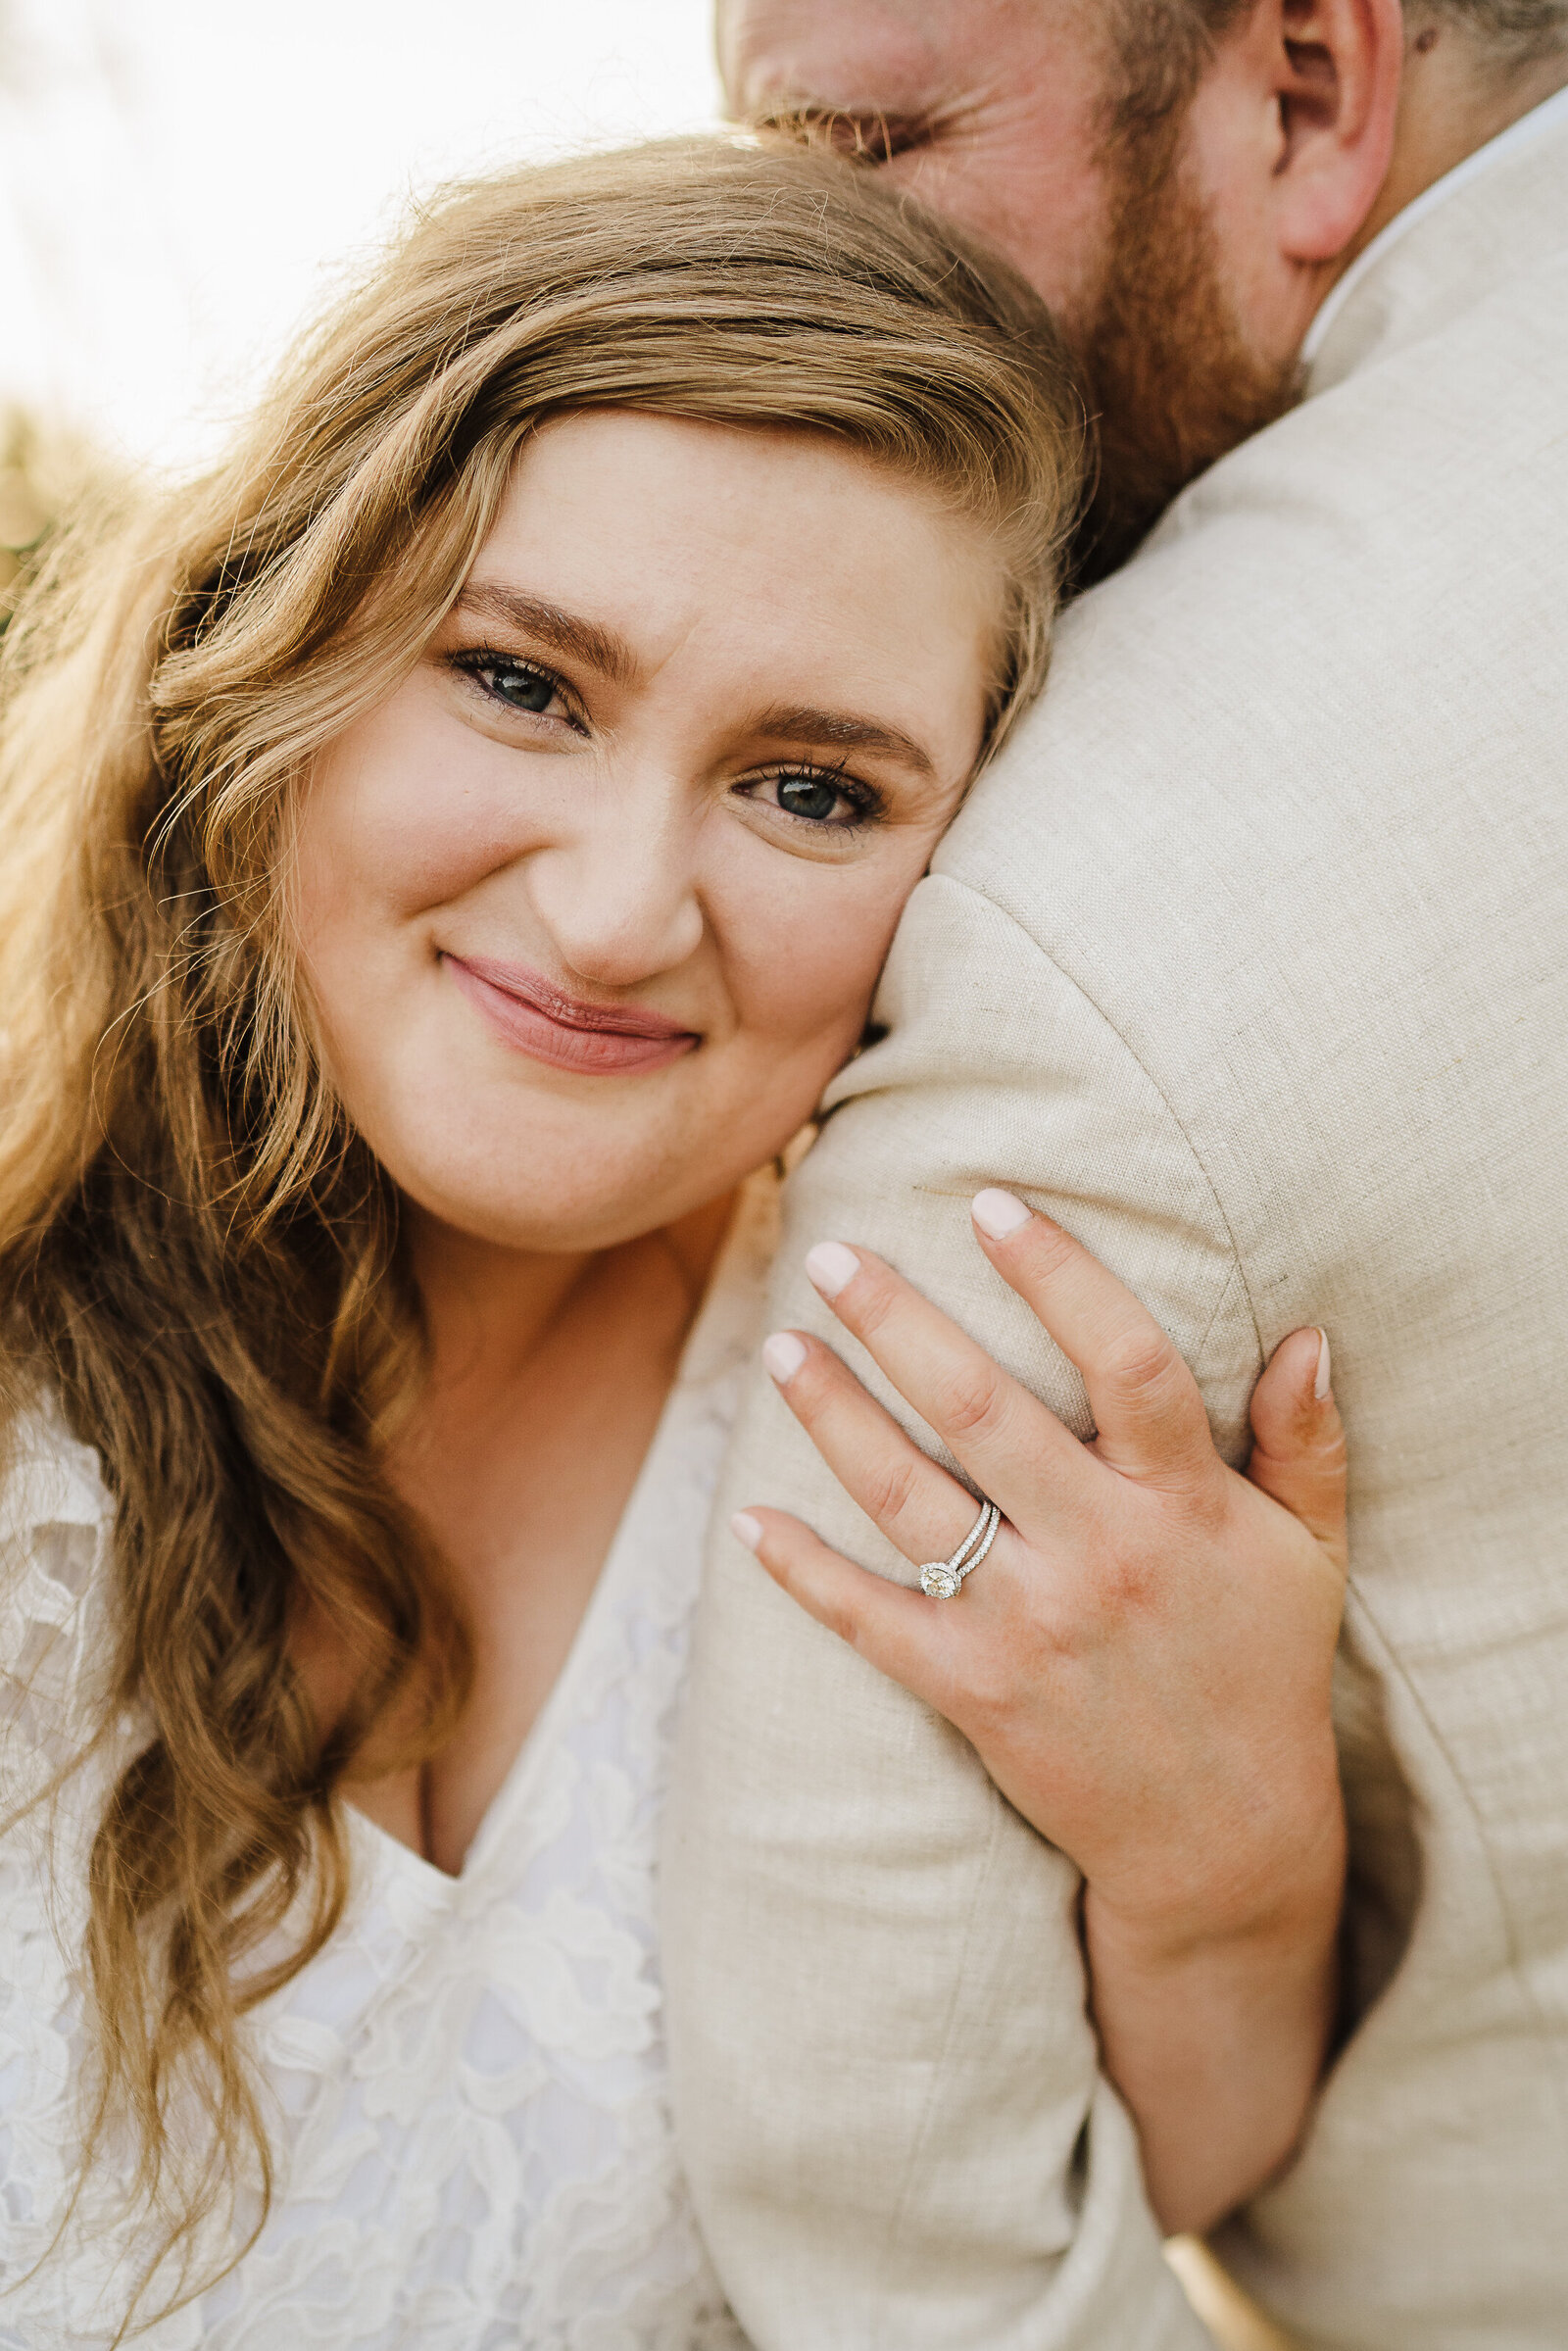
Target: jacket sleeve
[(886, 2084)]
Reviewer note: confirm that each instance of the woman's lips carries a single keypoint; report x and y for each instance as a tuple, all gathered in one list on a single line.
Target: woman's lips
[(596, 1040)]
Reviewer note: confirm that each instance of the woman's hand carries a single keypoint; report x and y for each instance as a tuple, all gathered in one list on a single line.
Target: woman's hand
[(1142, 1661)]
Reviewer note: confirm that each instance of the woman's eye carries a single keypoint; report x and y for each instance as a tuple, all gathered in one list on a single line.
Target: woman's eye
[(814, 798), (516, 684), (809, 796), (519, 687)]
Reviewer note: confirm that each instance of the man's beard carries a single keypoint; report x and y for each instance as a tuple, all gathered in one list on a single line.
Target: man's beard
[(1168, 369)]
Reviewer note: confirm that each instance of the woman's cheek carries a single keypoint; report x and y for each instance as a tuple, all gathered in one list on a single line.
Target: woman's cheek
[(408, 809), (805, 962)]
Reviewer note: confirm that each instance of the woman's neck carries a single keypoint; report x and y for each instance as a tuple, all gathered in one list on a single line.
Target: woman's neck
[(486, 1308), (489, 1309), (547, 1376)]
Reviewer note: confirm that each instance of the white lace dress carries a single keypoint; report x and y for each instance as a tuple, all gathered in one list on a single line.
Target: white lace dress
[(469, 2099)]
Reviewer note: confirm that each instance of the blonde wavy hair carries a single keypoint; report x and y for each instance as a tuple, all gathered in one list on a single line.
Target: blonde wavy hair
[(198, 1258)]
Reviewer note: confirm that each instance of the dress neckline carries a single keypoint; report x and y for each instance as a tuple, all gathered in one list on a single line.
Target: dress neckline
[(721, 1333)]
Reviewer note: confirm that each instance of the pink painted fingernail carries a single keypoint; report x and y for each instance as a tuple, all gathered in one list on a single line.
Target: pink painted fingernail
[(998, 1214), (746, 1529), (783, 1354), (1325, 1367), (830, 1265)]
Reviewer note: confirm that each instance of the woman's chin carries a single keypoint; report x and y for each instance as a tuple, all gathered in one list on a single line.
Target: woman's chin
[(570, 1217), (572, 1169)]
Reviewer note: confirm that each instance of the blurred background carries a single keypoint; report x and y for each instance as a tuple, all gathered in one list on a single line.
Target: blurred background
[(181, 182)]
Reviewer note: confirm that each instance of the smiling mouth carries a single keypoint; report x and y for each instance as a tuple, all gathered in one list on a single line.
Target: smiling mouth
[(526, 1012)]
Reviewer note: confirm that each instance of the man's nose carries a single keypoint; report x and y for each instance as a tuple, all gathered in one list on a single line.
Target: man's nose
[(619, 899)]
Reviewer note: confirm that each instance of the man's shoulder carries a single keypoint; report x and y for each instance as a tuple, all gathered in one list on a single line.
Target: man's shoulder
[(1336, 635)]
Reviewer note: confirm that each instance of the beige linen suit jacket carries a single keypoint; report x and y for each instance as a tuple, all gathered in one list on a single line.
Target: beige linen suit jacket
[(1248, 962)]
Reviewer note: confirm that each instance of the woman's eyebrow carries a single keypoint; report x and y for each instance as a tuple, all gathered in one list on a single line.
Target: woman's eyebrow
[(801, 723), (563, 632), (793, 723)]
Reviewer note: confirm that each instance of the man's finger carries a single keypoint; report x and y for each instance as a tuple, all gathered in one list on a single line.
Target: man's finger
[(1144, 1400), (891, 1628), (1299, 1453)]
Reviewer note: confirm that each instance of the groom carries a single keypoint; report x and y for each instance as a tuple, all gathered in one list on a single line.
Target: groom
[(1247, 962)]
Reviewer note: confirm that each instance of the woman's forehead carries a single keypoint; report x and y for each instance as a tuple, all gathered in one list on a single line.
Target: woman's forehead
[(646, 538)]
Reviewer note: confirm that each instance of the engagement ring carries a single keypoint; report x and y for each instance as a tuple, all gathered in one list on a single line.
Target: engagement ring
[(941, 1578)]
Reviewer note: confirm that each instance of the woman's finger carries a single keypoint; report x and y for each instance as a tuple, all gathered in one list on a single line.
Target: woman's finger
[(1299, 1447), (893, 1628), (1006, 1441), (1148, 1413), (923, 1512)]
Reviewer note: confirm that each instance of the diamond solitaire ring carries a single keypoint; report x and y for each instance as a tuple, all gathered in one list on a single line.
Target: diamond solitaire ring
[(941, 1578)]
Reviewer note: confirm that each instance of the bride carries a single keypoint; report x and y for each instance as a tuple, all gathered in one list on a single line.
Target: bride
[(447, 853)]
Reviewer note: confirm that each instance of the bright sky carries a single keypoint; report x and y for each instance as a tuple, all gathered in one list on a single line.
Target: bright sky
[(180, 180)]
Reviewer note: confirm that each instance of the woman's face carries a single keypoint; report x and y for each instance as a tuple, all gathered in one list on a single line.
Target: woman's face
[(592, 906)]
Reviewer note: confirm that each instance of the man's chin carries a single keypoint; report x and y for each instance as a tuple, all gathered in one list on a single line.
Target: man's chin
[(1171, 378)]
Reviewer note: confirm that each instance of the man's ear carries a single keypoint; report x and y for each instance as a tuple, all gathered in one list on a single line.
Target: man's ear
[(1337, 68)]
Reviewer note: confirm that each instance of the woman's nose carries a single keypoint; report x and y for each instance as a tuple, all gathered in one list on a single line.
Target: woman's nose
[(619, 901)]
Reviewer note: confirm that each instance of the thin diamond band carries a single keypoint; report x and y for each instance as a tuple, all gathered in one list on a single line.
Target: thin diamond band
[(941, 1579)]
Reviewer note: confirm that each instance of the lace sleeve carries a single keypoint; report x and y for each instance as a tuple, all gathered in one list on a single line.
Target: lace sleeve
[(56, 1521)]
